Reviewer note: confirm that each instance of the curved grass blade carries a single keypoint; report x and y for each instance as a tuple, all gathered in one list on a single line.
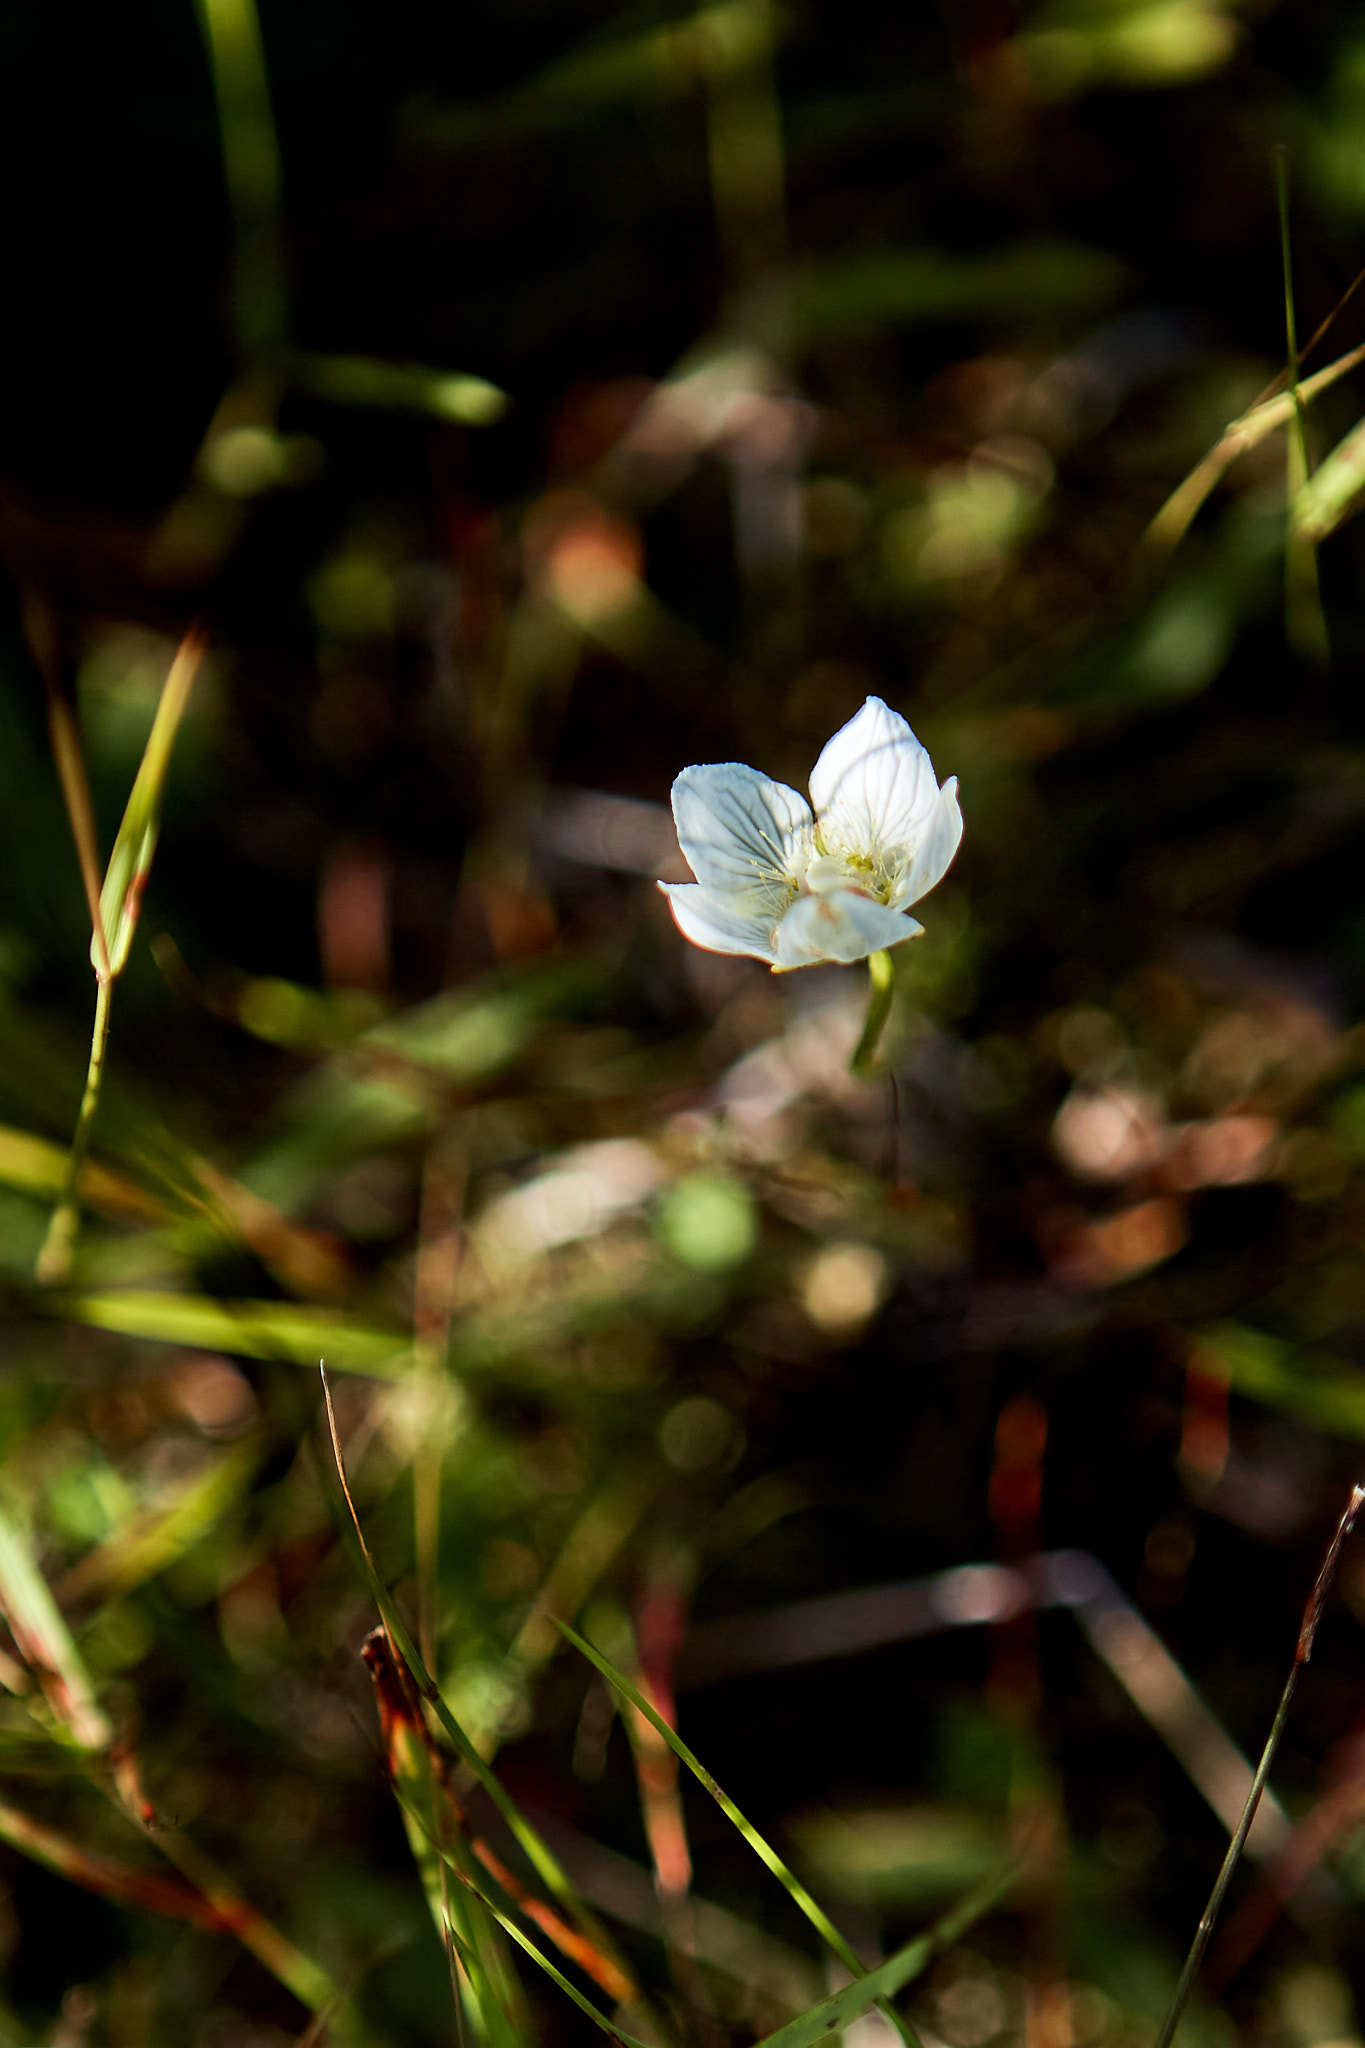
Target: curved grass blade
[(876, 1986), (786, 1877), (542, 1858), (292, 1332)]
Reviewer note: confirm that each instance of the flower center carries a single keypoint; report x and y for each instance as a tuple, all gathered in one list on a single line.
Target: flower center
[(841, 869)]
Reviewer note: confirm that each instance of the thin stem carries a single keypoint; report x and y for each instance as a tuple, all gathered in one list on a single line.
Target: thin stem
[(1230, 1861), (75, 786), (54, 1260), (1303, 1650), (881, 973)]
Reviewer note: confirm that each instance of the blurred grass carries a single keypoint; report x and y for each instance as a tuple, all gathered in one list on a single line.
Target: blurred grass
[(532, 405)]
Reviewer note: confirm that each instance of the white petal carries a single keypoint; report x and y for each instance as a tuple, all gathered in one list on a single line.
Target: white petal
[(844, 925), (874, 785), (933, 856), (714, 923), (737, 828)]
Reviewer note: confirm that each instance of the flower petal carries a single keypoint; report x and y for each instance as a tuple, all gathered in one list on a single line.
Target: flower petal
[(843, 925), (933, 856), (737, 828), (716, 923), (874, 785)]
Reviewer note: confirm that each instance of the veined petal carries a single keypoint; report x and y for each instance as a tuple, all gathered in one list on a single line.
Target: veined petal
[(841, 925), (874, 785), (933, 856), (738, 829), (720, 925)]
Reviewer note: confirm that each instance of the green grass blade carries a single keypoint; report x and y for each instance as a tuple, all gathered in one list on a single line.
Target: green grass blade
[(46, 1643), (1305, 621), (294, 1333), (130, 862), (900, 1969), (252, 173), (537, 1851), (786, 1877), (400, 387)]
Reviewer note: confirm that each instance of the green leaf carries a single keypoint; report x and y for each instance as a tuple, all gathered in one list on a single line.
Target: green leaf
[(131, 860), (292, 1332)]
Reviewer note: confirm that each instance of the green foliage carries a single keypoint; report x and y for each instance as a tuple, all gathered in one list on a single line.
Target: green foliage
[(531, 405)]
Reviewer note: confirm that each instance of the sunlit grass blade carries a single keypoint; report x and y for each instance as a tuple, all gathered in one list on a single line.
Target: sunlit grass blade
[(456, 395), (152, 1540), (123, 1883), (294, 1333), (1305, 621), (43, 1638), (46, 1643), (69, 756), (120, 903), (251, 171), (786, 1877), (135, 842), (556, 1976), (421, 1779), (479, 1977), (35, 1166), (1334, 491), (542, 1859), (875, 1987), (1246, 432)]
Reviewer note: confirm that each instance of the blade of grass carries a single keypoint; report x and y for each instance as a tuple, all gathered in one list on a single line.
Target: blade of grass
[(44, 1641), (1247, 431), (36, 1166), (120, 903), (419, 1772), (541, 1857), (122, 1882), (64, 735), (43, 1638), (1305, 621), (292, 1332), (417, 1781), (877, 1986), (135, 842), (786, 1877), (399, 387), (252, 173), (156, 1538), (1303, 1650)]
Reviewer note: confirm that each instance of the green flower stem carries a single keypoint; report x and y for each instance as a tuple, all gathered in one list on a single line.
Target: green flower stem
[(882, 975)]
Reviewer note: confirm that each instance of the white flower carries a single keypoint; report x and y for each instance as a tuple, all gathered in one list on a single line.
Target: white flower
[(793, 889)]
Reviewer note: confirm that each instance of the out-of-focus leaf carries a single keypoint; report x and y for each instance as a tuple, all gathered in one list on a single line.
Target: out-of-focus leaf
[(1034, 281), (107, 1876), (151, 1541), (1071, 46), (906, 1856), (46, 1643), (1334, 490), (291, 1332), (1326, 1392), (660, 64), (36, 1166), (400, 387)]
